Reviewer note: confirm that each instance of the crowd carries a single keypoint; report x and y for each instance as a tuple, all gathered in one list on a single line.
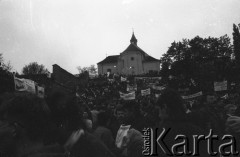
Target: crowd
[(96, 122)]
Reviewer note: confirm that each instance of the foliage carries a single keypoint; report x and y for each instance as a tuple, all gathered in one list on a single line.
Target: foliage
[(34, 68), (91, 69), (6, 77), (6, 66), (203, 60), (236, 42)]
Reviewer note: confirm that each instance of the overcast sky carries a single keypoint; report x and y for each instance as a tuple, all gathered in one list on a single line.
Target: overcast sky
[(74, 33)]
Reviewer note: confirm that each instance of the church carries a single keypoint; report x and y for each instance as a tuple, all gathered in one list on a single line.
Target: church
[(132, 61)]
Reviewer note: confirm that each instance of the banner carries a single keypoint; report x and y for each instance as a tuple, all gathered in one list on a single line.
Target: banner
[(128, 96), (40, 92), (24, 85), (131, 88), (193, 95), (123, 79), (146, 92), (149, 78), (158, 87), (220, 86)]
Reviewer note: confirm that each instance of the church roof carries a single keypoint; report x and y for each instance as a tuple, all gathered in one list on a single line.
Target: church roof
[(147, 58), (150, 59), (133, 47), (109, 59)]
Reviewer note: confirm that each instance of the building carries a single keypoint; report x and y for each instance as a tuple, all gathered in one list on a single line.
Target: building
[(132, 61)]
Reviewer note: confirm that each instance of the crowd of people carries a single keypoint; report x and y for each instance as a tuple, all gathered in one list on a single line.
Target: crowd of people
[(96, 122)]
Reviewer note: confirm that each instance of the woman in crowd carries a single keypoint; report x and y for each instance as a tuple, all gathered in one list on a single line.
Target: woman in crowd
[(129, 137)]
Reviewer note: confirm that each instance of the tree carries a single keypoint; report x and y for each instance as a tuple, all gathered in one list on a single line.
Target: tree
[(6, 66), (34, 68), (91, 69), (6, 77), (200, 59), (236, 43)]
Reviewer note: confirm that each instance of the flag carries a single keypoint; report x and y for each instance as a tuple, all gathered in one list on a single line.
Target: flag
[(24, 85), (40, 92), (146, 92), (128, 96), (123, 79)]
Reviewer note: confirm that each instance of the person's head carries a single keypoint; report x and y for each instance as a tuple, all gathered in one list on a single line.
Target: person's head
[(230, 109), (171, 105), (126, 110)]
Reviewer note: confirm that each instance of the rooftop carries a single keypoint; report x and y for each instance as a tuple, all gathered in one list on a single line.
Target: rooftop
[(109, 59)]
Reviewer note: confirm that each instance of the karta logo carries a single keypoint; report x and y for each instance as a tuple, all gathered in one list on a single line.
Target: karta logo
[(155, 144)]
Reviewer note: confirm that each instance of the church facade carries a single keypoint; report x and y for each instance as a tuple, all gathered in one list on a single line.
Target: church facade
[(132, 61)]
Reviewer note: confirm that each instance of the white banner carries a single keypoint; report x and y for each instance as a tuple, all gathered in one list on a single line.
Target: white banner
[(128, 96), (146, 92), (24, 85), (220, 86), (193, 95)]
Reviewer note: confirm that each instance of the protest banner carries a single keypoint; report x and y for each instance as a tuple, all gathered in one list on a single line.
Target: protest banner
[(127, 96), (131, 88), (220, 86), (148, 78), (146, 92), (24, 85), (193, 95)]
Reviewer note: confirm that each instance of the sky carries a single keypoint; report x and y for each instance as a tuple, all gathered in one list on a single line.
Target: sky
[(74, 33)]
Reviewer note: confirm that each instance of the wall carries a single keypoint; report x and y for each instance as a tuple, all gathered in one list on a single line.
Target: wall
[(65, 78), (155, 66), (136, 64), (102, 68)]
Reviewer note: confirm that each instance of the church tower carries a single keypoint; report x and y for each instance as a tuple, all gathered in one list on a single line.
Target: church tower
[(133, 39)]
